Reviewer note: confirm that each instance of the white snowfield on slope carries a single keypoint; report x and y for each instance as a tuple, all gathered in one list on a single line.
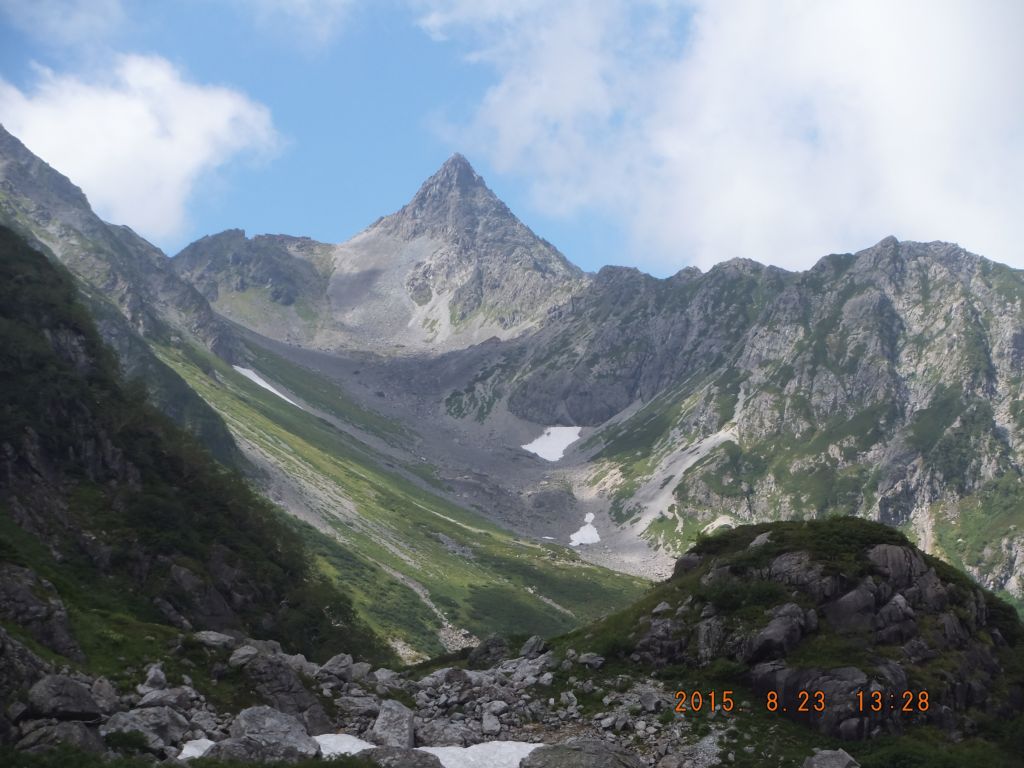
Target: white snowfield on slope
[(552, 443), (254, 377)]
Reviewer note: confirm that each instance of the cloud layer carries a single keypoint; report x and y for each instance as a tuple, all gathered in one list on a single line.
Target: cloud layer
[(138, 139), (775, 131)]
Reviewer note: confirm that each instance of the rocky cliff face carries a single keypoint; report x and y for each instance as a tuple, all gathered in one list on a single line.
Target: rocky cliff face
[(452, 267), (127, 283), (768, 643), (274, 284), (115, 526), (885, 383)]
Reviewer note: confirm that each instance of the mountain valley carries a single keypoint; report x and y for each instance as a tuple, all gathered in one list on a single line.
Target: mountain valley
[(754, 478)]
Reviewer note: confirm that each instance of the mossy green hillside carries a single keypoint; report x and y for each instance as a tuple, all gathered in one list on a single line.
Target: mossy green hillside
[(123, 497), (755, 736), (410, 542)]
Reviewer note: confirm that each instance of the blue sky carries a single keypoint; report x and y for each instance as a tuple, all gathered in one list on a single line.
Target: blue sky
[(658, 134)]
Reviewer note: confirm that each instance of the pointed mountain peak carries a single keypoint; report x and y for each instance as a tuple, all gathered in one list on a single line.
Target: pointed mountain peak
[(454, 200), (455, 176), (457, 165)]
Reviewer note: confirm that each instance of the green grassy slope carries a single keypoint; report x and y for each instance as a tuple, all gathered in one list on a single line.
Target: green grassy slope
[(757, 737), (401, 537), (104, 497)]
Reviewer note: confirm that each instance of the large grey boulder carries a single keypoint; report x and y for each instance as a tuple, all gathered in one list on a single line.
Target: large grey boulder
[(533, 647), (490, 725), (280, 686), (591, 660), (853, 612), (61, 697), (32, 603), (581, 753), (394, 725), (242, 656), (358, 705), (263, 733), (780, 636), (160, 726), (445, 733), (215, 640), (401, 757), (179, 698), (488, 653), (19, 669), (105, 694), (67, 733), (831, 758), (339, 667), (155, 680), (901, 566)]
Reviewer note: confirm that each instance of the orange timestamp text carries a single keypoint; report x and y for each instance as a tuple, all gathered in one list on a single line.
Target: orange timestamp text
[(698, 701), (803, 702)]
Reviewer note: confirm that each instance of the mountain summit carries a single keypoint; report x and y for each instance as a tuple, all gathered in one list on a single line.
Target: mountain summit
[(451, 268), (453, 201)]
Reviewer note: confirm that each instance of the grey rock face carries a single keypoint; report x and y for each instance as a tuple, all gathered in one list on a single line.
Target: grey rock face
[(401, 757), (438, 732), (490, 725), (19, 669), (453, 267), (44, 618), (179, 698), (533, 647), (491, 651), (263, 733), (582, 753), (155, 680), (242, 656), (160, 726), (339, 667), (126, 270), (394, 725), (831, 758), (591, 660), (73, 734), (780, 636), (217, 640), (61, 697), (277, 682)]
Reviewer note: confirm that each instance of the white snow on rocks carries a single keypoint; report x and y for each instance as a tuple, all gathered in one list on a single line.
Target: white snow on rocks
[(333, 744), (195, 748), (492, 754), (254, 377), (587, 534), (552, 444)]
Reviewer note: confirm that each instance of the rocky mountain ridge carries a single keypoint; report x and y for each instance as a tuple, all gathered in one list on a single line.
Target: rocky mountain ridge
[(132, 292), (759, 614), (116, 526), (454, 266)]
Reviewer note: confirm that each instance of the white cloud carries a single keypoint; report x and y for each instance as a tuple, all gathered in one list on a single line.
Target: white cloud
[(776, 131), (137, 140), (313, 21), (65, 22)]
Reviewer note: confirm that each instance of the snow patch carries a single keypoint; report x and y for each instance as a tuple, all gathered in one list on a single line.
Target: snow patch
[(722, 521), (334, 744), (552, 443), (254, 377), (587, 534), (195, 748), (491, 754)]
